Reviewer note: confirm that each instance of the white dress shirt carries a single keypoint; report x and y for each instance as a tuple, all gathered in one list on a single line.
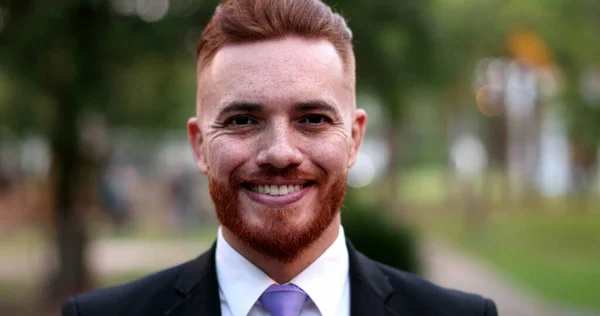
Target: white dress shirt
[(326, 281)]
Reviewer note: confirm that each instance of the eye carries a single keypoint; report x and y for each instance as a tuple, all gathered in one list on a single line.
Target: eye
[(241, 120), (315, 119)]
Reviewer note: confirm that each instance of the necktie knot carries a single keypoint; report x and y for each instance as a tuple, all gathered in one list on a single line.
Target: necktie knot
[(283, 300)]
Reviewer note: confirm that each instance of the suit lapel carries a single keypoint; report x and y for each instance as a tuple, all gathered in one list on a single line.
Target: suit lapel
[(198, 288), (370, 289)]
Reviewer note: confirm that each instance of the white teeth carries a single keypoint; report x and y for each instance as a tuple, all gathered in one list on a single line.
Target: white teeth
[(276, 189)]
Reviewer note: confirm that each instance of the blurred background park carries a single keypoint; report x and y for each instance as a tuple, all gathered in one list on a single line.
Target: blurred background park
[(479, 171)]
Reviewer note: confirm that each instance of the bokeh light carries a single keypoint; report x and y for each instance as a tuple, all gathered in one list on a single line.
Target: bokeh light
[(362, 173), (152, 10), (125, 7)]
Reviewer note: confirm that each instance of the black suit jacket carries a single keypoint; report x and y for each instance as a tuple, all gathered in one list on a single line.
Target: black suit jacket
[(191, 289)]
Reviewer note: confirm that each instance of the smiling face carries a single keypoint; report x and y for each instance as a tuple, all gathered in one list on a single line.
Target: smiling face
[(276, 132)]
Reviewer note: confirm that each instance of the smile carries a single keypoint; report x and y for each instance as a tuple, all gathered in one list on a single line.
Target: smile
[(277, 190), (277, 194)]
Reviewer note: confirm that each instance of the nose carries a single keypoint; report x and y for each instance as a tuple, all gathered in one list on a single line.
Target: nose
[(278, 147)]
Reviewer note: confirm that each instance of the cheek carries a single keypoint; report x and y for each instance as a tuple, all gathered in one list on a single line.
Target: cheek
[(226, 155), (331, 154)]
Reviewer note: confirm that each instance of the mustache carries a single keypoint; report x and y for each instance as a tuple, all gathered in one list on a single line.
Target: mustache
[(270, 174)]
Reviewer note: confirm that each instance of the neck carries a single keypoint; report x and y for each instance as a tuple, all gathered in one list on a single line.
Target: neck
[(285, 272)]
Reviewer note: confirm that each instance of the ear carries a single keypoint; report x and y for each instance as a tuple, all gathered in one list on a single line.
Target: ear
[(196, 140), (359, 126)]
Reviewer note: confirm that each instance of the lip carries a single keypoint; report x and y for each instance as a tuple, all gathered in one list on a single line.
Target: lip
[(279, 200)]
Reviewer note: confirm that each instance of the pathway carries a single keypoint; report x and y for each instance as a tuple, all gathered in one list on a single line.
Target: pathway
[(449, 267)]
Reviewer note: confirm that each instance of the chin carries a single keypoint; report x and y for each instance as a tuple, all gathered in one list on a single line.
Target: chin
[(279, 234)]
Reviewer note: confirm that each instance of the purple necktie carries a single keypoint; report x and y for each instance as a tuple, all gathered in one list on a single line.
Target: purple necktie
[(283, 300)]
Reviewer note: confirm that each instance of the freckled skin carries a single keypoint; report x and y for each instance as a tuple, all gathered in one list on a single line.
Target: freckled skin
[(277, 74)]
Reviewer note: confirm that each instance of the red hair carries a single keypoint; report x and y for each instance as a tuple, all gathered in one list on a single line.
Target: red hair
[(238, 21)]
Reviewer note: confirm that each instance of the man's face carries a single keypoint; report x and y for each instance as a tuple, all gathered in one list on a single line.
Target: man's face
[(276, 132)]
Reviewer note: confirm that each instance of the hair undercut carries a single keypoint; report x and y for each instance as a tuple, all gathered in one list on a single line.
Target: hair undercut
[(239, 21)]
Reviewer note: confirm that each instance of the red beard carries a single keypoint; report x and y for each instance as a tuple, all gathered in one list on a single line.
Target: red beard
[(279, 238)]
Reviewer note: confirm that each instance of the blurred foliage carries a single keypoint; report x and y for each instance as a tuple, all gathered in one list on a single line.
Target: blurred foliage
[(134, 72), (393, 48), (370, 231)]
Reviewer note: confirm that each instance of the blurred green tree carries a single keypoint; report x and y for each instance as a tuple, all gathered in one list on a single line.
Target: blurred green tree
[(560, 36), (394, 56), (62, 60), (573, 36), (569, 30)]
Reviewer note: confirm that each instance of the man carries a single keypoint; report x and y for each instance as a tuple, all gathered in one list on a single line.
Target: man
[(275, 131)]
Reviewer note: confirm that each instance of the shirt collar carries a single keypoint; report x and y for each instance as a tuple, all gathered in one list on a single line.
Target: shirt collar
[(242, 283), (324, 279)]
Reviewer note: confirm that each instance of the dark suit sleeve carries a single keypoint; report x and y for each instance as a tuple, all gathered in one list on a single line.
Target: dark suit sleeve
[(70, 307), (490, 308)]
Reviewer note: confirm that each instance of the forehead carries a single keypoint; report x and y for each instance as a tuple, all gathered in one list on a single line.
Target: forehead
[(275, 72)]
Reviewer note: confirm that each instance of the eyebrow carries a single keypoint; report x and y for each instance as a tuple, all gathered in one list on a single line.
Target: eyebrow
[(240, 106), (302, 106), (316, 105)]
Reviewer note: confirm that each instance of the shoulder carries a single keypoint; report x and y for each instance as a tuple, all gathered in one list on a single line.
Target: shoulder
[(128, 299), (431, 299)]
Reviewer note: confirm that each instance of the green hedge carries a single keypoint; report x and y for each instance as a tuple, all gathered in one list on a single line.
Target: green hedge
[(379, 238)]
